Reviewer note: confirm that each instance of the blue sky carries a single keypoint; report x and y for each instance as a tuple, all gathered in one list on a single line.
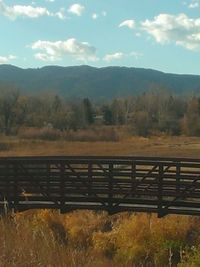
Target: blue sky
[(157, 34)]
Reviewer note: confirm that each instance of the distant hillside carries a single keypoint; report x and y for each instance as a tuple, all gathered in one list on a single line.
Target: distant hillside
[(86, 81)]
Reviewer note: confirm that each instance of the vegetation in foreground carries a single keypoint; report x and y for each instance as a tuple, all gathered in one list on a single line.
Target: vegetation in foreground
[(86, 238)]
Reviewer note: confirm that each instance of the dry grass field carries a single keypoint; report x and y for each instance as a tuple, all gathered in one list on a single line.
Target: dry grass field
[(153, 146)]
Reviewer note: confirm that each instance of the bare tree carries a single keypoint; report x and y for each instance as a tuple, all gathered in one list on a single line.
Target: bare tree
[(8, 109)]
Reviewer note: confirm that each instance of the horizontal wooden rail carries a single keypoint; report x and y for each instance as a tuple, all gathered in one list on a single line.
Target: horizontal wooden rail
[(115, 184)]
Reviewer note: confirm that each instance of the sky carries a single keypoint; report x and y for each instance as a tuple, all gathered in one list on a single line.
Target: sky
[(156, 34)]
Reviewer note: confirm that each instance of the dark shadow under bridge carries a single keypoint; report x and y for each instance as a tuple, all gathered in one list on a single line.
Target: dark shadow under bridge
[(115, 184)]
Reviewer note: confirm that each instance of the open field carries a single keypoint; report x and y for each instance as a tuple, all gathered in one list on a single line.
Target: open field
[(153, 146)]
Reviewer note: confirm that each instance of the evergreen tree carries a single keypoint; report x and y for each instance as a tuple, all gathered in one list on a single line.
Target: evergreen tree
[(88, 111)]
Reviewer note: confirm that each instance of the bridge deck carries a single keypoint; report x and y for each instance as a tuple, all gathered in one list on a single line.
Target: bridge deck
[(114, 184)]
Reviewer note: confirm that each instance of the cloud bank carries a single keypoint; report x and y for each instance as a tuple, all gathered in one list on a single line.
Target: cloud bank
[(5, 60), (54, 51), (178, 29), (26, 11)]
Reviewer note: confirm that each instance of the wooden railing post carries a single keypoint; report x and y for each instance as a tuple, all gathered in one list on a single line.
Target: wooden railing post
[(110, 186), (62, 187), (160, 191), (178, 171), (48, 178), (133, 178), (6, 195), (89, 179), (16, 193)]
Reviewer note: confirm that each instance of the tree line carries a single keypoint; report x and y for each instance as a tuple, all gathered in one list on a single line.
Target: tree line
[(156, 111)]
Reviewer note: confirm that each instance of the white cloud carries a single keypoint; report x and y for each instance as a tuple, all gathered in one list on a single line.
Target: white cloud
[(4, 60), (120, 55), (53, 51), (194, 4), (50, 1), (16, 11), (25, 11), (136, 54), (115, 56), (179, 29), (128, 23), (95, 16), (60, 14), (76, 9), (45, 57)]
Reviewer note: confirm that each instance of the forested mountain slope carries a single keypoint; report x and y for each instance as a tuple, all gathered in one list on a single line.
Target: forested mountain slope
[(86, 81)]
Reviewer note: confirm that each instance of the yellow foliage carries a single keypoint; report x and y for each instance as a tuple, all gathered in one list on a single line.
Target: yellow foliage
[(85, 238), (81, 225)]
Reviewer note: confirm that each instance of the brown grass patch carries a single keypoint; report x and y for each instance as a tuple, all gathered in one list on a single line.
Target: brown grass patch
[(153, 146)]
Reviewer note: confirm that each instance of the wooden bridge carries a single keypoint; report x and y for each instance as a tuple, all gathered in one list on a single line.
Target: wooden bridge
[(114, 184)]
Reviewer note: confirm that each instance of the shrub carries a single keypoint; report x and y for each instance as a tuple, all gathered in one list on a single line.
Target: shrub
[(105, 134), (42, 134), (92, 135)]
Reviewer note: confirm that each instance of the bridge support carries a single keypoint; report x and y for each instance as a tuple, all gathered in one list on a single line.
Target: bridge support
[(162, 212)]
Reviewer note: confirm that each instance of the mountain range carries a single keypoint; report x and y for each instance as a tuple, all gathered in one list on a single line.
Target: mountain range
[(95, 83)]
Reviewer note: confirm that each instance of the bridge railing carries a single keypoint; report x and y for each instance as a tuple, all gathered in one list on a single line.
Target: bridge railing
[(150, 184)]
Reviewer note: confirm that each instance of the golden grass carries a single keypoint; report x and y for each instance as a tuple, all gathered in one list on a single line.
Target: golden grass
[(153, 146), (87, 239)]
